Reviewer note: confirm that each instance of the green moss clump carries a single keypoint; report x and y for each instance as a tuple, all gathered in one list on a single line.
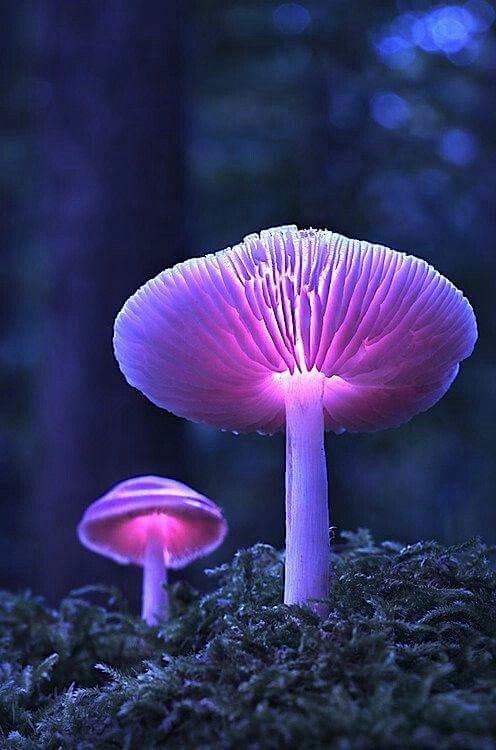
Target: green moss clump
[(406, 659)]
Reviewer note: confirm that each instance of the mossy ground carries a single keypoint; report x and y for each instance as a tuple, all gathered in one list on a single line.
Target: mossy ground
[(406, 659)]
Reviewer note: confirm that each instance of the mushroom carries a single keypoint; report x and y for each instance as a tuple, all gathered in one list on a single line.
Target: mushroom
[(156, 523), (302, 330)]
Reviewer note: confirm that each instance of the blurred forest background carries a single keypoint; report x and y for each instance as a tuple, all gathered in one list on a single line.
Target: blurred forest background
[(136, 133)]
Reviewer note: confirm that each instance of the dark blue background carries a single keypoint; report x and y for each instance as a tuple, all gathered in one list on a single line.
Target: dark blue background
[(135, 134)]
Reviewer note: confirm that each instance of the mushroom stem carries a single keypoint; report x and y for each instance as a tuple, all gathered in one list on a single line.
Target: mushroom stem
[(155, 595), (307, 514)]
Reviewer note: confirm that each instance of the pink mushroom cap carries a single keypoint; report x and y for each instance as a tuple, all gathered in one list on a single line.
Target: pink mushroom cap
[(215, 339), (118, 524)]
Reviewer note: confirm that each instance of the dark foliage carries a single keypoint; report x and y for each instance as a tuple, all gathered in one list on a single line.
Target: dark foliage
[(406, 659)]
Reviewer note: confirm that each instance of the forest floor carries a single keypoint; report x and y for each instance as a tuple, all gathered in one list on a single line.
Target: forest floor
[(406, 659)]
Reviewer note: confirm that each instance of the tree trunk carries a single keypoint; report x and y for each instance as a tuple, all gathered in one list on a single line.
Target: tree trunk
[(111, 215)]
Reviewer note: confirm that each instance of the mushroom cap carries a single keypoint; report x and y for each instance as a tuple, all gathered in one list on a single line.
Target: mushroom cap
[(216, 339), (117, 524)]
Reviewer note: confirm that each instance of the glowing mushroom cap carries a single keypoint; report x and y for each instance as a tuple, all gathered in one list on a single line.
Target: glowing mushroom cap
[(118, 524), (216, 339)]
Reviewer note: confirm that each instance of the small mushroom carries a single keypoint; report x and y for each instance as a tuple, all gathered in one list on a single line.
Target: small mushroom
[(156, 523), (302, 330)]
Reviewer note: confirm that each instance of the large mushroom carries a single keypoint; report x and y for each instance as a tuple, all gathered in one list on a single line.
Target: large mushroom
[(302, 330), (156, 523)]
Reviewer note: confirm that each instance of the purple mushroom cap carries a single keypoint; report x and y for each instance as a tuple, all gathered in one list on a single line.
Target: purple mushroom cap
[(216, 339), (119, 524)]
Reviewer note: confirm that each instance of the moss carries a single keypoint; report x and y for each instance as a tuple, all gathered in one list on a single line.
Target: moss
[(406, 659)]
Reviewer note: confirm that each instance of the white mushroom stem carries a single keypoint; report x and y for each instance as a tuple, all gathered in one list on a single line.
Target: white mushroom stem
[(155, 595), (307, 572)]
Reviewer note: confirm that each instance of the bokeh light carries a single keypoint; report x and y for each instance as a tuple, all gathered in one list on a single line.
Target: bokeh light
[(451, 30), (458, 146), (390, 110), (291, 18)]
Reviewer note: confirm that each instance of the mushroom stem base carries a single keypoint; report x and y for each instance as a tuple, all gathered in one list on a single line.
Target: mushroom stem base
[(307, 572), (155, 595)]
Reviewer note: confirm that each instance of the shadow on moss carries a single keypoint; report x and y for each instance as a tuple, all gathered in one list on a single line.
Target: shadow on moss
[(406, 659)]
